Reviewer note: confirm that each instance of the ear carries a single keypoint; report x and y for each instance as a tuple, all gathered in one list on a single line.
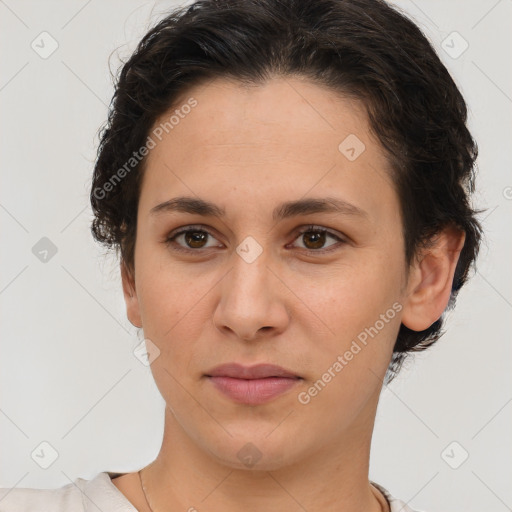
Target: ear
[(130, 296), (431, 278)]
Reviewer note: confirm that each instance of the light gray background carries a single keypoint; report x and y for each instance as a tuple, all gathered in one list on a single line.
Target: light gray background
[(68, 373)]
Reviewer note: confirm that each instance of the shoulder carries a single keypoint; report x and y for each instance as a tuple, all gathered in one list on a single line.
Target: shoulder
[(82, 495), (19, 499), (395, 504)]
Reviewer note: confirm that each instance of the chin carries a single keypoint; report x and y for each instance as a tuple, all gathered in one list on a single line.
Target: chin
[(258, 452)]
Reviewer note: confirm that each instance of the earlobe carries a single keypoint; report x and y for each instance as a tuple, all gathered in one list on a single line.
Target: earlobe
[(430, 280), (130, 296)]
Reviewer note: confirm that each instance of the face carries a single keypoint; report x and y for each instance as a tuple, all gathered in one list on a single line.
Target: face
[(314, 289)]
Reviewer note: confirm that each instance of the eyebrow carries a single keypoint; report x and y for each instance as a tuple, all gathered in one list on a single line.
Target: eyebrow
[(194, 205)]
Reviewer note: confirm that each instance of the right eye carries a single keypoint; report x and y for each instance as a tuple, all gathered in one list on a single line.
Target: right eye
[(193, 238)]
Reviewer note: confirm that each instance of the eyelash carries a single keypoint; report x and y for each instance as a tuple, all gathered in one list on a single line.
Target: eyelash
[(316, 229)]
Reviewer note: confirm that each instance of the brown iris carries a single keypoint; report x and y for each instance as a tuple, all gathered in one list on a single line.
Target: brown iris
[(317, 238), (195, 238)]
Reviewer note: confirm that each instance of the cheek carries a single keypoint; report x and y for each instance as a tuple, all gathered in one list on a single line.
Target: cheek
[(351, 296), (165, 294), (169, 307), (362, 311), (175, 308), (360, 305)]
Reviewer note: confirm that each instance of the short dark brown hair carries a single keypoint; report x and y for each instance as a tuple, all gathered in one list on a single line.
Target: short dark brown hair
[(363, 49)]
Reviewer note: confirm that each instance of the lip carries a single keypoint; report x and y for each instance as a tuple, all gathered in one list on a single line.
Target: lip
[(252, 385)]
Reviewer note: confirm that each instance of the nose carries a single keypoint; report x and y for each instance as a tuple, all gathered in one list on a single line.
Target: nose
[(252, 302)]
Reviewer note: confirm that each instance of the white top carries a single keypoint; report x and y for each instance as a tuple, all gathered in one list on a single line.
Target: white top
[(100, 493)]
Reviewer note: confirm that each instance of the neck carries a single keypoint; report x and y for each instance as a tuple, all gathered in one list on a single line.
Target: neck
[(333, 478)]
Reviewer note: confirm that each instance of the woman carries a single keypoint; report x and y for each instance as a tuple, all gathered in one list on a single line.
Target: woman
[(287, 184)]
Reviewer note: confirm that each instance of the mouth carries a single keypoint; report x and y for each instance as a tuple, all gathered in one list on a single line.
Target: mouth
[(252, 385), (259, 371)]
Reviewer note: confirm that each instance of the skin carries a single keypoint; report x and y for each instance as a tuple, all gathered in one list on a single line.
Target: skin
[(248, 149)]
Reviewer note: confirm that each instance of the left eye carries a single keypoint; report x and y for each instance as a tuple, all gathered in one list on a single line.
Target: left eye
[(314, 238)]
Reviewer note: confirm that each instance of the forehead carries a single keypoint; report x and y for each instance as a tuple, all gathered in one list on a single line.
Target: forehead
[(283, 137), (282, 110)]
